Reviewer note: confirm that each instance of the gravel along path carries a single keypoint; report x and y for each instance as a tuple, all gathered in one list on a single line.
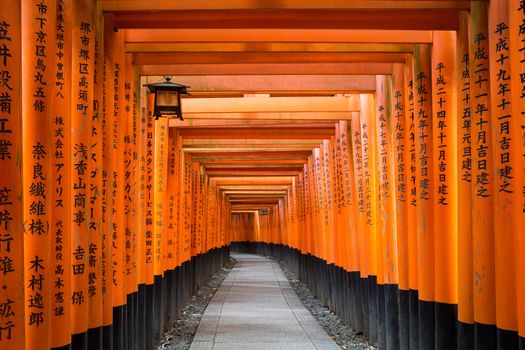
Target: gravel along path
[(342, 334), (180, 335)]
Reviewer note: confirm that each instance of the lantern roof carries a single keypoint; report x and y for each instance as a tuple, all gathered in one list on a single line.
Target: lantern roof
[(168, 85)]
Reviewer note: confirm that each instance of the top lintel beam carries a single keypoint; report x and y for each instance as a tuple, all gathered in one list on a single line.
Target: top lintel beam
[(405, 19)]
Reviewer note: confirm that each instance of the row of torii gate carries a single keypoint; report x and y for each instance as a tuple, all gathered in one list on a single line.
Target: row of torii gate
[(386, 138)]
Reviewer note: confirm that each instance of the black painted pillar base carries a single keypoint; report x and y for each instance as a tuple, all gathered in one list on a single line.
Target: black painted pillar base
[(372, 309), (404, 320), (484, 336), (95, 339), (446, 326), (392, 316), (118, 327), (426, 325), (413, 306), (79, 341), (107, 337), (465, 336)]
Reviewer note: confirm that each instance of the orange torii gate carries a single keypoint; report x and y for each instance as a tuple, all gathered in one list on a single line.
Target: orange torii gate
[(379, 149)]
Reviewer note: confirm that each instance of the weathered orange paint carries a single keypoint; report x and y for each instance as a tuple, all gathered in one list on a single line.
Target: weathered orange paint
[(385, 170), (504, 122), (400, 145), (464, 143), (410, 156), (444, 102), (482, 165), (517, 68), (367, 129), (423, 134)]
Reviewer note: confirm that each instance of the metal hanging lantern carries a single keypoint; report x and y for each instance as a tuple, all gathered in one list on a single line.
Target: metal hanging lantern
[(167, 98)]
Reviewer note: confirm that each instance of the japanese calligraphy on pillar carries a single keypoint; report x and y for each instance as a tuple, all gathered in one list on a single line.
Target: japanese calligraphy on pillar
[(517, 17), (423, 125), (358, 164), (479, 73), (11, 240), (517, 64), (172, 192), (129, 174), (399, 140), (504, 144), (466, 121), (440, 132), (38, 71), (482, 166), (159, 214), (61, 179), (411, 144), (502, 108), (367, 174), (424, 170), (150, 132), (95, 165), (81, 116)]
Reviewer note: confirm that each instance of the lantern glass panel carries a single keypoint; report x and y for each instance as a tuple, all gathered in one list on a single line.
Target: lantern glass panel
[(168, 98)]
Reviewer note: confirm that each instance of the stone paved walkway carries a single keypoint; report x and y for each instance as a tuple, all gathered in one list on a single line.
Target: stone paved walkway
[(255, 308)]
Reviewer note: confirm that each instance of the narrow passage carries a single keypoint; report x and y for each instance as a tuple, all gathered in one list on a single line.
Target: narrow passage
[(256, 308)]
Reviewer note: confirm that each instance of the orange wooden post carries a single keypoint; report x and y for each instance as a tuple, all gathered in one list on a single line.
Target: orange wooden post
[(119, 125), (320, 233), (504, 122), (351, 198), (349, 224), (195, 198), (399, 141), (410, 156), (339, 235), (360, 209), (60, 308), (81, 115), (517, 66), (300, 215), (12, 319), (159, 187), (185, 199), (38, 27), (387, 213), (171, 189), (149, 193), (483, 179), (96, 201), (107, 190), (444, 105), (306, 210), (310, 206), (141, 182), (130, 179), (328, 191), (425, 229), (367, 127), (464, 143)]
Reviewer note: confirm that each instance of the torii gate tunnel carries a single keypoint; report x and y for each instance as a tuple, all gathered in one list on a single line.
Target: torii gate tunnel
[(375, 146)]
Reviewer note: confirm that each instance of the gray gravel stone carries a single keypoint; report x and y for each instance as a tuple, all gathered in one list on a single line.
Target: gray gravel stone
[(180, 336), (341, 333)]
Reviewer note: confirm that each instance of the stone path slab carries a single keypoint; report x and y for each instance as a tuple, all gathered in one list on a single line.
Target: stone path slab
[(256, 308)]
